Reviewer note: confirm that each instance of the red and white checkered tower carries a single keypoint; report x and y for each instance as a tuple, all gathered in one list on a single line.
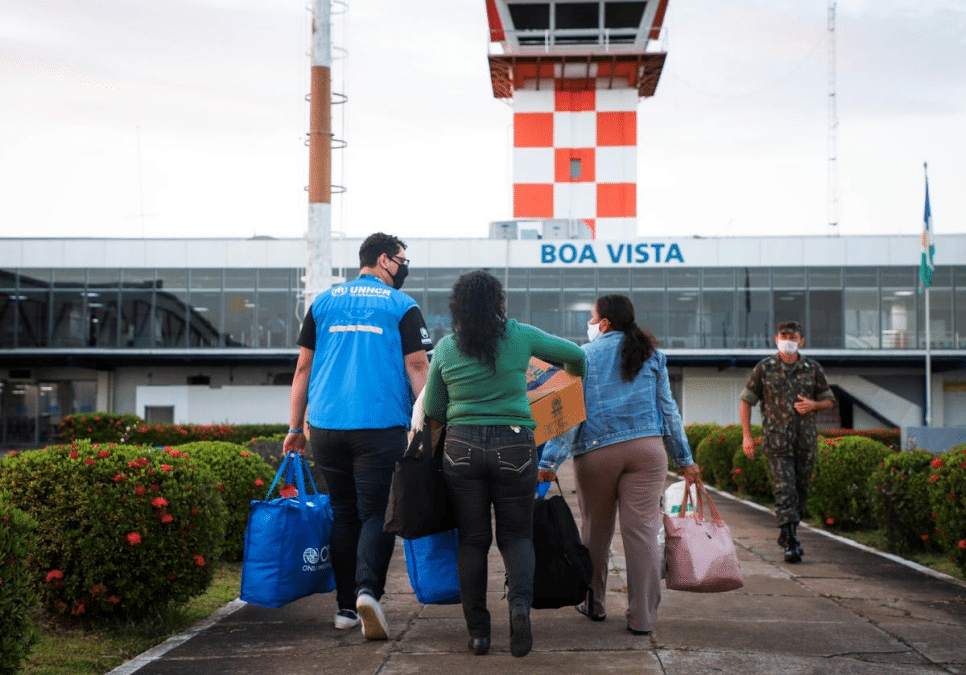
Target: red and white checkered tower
[(575, 70)]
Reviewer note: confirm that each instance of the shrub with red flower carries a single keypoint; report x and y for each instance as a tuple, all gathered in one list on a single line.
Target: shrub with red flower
[(129, 544), (239, 477), (166, 467)]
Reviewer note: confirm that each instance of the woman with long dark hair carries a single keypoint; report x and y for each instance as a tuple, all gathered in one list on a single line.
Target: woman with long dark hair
[(620, 463), (477, 388)]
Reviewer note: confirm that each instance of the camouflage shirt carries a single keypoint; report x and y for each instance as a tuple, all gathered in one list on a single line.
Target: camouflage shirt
[(778, 384)]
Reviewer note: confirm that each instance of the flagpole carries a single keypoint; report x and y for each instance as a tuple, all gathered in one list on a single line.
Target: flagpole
[(928, 242)]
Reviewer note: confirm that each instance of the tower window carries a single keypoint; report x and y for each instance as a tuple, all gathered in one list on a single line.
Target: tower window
[(575, 169)]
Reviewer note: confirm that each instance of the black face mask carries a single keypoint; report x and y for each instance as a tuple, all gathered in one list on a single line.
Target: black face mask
[(402, 271)]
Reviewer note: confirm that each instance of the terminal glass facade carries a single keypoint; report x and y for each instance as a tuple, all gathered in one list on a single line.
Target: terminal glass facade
[(687, 308)]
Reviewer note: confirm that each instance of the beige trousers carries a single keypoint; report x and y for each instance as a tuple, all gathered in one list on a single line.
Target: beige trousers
[(626, 478)]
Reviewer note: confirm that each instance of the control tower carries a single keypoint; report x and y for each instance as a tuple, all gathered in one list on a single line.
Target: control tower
[(575, 70)]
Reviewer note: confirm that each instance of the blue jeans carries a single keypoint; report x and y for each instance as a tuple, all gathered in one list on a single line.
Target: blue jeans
[(496, 465), (357, 466)]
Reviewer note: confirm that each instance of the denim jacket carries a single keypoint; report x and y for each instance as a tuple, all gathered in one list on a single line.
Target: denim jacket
[(619, 411)]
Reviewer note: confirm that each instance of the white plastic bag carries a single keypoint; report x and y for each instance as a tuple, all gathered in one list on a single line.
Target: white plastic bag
[(671, 505)]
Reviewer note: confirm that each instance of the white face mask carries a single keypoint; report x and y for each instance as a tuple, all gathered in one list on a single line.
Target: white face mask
[(593, 330), (787, 347)]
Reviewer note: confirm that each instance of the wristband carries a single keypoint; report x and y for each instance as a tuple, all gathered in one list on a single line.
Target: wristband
[(295, 431)]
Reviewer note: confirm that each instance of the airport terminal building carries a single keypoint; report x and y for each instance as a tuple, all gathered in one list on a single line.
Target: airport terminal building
[(204, 330)]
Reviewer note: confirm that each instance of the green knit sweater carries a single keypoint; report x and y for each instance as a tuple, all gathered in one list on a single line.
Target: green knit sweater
[(464, 391)]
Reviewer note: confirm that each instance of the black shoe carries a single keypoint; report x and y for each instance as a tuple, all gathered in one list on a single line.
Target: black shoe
[(521, 639), (479, 646), (793, 548), (586, 612), (637, 632)]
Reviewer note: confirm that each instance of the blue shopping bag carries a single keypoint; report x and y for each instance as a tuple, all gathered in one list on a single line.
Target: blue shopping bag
[(287, 543), (431, 562)]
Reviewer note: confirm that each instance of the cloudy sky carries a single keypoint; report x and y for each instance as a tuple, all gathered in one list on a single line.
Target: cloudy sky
[(188, 118)]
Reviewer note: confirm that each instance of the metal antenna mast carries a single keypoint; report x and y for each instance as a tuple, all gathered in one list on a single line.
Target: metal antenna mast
[(833, 125)]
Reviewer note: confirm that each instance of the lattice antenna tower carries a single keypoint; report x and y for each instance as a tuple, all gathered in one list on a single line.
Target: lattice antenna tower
[(833, 126)]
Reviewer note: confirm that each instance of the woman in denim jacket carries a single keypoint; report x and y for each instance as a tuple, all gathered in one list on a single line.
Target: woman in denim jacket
[(619, 456)]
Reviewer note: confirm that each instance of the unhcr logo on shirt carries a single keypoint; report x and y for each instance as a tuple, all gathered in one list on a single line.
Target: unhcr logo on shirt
[(362, 291)]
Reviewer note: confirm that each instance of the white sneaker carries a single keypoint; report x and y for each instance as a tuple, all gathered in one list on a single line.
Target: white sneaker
[(374, 626), (346, 619)]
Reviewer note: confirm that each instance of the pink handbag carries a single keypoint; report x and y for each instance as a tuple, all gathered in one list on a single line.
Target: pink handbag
[(700, 553)]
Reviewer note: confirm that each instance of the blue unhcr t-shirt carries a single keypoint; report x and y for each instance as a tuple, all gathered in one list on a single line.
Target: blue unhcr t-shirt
[(360, 331)]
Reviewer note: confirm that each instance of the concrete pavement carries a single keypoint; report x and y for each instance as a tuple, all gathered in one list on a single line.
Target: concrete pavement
[(842, 610)]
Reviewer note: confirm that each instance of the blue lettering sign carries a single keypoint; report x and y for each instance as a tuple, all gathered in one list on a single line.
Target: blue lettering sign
[(629, 253)]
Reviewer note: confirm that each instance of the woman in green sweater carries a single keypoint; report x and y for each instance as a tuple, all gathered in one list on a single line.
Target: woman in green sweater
[(477, 388)]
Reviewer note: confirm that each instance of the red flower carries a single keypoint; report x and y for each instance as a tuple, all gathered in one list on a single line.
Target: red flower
[(97, 588), (133, 538), (119, 477), (54, 574), (12, 453), (937, 463), (78, 609), (103, 454), (962, 543), (159, 502), (89, 461), (134, 464), (259, 482), (113, 599), (166, 467), (220, 488), (155, 488), (933, 478), (73, 454), (830, 521), (199, 560), (925, 537), (139, 491), (244, 454), (166, 517)]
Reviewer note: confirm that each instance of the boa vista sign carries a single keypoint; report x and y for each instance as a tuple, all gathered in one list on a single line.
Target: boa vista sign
[(594, 253)]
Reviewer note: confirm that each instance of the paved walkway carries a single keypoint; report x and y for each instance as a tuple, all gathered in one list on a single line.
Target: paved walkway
[(842, 610)]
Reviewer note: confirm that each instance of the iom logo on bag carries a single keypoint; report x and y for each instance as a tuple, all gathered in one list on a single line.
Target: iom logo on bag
[(315, 559)]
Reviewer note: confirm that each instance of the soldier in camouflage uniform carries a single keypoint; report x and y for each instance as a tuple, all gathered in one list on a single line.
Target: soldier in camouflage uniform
[(791, 388)]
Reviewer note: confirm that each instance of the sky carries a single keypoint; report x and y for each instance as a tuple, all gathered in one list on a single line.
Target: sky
[(188, 118)]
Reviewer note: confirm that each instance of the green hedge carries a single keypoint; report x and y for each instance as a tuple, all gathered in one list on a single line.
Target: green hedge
[(100, 427), (716, 452), (123, 531), (840, 484), (899, 488), (17, 540), (888, 437), (947, 496), (240, 476)]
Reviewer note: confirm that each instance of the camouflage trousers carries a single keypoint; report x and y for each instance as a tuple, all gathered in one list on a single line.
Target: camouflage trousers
[(791, 470)]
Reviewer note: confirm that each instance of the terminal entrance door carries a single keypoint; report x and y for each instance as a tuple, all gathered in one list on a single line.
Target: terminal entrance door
[(31, 411)]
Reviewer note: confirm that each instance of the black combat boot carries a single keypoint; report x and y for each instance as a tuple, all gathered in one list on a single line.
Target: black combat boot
[(793, 549)]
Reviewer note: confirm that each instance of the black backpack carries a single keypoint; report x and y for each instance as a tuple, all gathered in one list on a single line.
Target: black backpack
[(563, 568)]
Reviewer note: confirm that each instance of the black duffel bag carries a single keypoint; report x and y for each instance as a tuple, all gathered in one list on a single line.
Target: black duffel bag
[(563, 568)]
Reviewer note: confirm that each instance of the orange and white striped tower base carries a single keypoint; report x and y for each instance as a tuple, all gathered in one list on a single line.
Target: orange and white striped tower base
[(575, 72)]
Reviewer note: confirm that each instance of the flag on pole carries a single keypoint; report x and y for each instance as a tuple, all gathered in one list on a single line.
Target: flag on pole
[(926, 265)]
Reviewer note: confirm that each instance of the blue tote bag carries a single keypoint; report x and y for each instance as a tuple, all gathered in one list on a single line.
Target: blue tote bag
[(287, 543), (431, 562)]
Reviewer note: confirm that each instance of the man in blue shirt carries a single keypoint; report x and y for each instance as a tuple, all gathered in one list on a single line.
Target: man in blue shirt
[(362, 360)]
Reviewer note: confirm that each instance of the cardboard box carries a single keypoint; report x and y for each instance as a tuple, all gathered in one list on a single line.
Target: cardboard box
[(556, 400)]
